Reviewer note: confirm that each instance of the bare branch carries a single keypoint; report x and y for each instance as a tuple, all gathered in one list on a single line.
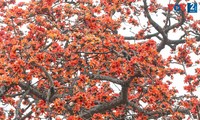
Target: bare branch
[(46, 73), (106, 78), (157, 27), (181, 41), (33, 91), (17, 112), (27, 115)]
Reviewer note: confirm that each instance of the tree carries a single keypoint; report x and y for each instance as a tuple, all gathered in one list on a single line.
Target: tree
[(61, 59)]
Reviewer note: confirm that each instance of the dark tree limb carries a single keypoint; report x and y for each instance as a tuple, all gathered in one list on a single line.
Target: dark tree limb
[(33, 91), (17, 111), (181, 41), (46, 73), (106, 78), (162, 31), (157, 27), (3, 90), (27, 115), (51, 90), (122, 99), (101, 108), (145, 37)]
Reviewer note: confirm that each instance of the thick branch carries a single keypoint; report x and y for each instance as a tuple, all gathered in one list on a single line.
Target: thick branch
[(3, 90), (145, 37), (106, 78), (101, 108), (157, 27), (27, 115), (176, 42), (160, 30), (33, 91), (17, 112), (123, 99), (181, 22), (46, 73), (51, 89)]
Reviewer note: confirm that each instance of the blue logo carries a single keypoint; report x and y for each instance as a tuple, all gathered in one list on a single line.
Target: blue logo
[(177, 7), (192, 7)]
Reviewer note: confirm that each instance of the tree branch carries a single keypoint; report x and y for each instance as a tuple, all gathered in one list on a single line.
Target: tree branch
[(145, 37), (33, 91), (46, 73), (181, 41), (51, 90), (101, 108), (157, 27), (122, 99), (17, 112), (27, 115), (106, 78)]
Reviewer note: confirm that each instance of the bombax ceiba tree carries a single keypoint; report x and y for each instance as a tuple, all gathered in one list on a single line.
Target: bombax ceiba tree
[(67, 60)]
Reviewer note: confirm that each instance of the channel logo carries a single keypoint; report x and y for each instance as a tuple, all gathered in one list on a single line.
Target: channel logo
[(191, 7)]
